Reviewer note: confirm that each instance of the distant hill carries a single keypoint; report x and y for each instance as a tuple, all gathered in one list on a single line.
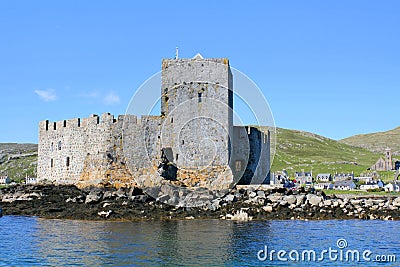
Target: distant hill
[(377, 142), (296, 150), (18, 160)]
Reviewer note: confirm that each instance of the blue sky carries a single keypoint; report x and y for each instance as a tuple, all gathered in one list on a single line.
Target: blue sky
[(329, 67)]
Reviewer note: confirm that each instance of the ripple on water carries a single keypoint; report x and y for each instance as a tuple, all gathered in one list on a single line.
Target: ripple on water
[(27, 241)]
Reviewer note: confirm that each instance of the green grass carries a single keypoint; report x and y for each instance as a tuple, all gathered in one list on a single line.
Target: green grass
[(297, 150), (360, 193), (18, 160)]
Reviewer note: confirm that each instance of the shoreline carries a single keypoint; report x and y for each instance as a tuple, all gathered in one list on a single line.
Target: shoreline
[(131, 204)]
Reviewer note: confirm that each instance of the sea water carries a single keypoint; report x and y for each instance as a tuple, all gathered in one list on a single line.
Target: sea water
[(31, 241)]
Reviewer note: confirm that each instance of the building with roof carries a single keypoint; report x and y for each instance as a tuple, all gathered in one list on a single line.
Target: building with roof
[(324, 177)]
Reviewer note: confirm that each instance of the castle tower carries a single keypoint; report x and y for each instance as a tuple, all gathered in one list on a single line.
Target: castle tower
[(196, 107), (388, 159)]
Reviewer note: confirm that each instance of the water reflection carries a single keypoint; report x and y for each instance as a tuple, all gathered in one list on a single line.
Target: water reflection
[(71, 242), (200, 242), (27, 241)]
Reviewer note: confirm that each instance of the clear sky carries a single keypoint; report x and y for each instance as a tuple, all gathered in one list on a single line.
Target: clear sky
[(329, 67)]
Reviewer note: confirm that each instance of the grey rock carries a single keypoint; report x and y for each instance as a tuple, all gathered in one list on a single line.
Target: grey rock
[(314, 200), (93, 197), (368, 203), (109, 194), (230, 198), (121, 193), (292, 199), (267, 208), (260, 193), (356, 201), (300, 199), (252, 194), (282, 202), (274, 197), (163, 198)]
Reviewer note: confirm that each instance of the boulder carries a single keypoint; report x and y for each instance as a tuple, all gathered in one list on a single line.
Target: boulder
[(300, 199), (252, 194), (292, 199), (396, 202), (274, 197), (230, 198), (314, 200), (93, 197), (241, 216), (260, 193), (109, 194), (163, 198), (267, 208), (105, 214)]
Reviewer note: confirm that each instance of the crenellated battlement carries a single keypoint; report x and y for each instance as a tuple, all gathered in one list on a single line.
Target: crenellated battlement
[(93, 119)]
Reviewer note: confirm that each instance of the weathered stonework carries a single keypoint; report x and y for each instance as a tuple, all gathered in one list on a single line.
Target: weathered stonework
[(192, 143)]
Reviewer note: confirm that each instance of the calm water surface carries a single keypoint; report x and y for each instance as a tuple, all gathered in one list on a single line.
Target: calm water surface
[(29, 241)]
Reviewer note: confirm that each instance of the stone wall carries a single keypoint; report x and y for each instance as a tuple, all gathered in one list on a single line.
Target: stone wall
[(196, 107), (250, 161), (192, 143), (82, 151)]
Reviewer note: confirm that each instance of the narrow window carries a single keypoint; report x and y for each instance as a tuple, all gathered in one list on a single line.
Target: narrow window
[(183, 142), (59, 145), (47, 125), (238, 165), (67, 162), (177, 156), (65, 123), (51, 163), (79, 122), (172, 120), (52, 146), (199, 97), (55, 126)]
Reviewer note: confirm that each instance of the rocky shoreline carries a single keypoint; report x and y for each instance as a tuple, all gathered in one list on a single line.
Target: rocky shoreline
[(130, 204)]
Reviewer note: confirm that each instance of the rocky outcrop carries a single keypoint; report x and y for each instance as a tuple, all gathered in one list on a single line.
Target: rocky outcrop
[(164, 202)]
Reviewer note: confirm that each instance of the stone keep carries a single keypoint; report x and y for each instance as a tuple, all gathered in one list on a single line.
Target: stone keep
[(196, 105), (192, 143)]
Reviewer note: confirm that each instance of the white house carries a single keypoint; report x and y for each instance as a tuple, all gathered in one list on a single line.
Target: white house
[(344, 185), (365, 179), (30, 180), (303, 177), (323, 186), (372, 185), (4, 180), (343, 177), (324, 177), (392, 187)]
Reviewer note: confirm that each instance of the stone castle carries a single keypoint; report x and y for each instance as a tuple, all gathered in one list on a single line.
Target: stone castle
[(193, 143)]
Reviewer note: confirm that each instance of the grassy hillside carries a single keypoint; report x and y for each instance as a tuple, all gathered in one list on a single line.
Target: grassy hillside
[(296, 150), (377, 142), (18, 160)]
